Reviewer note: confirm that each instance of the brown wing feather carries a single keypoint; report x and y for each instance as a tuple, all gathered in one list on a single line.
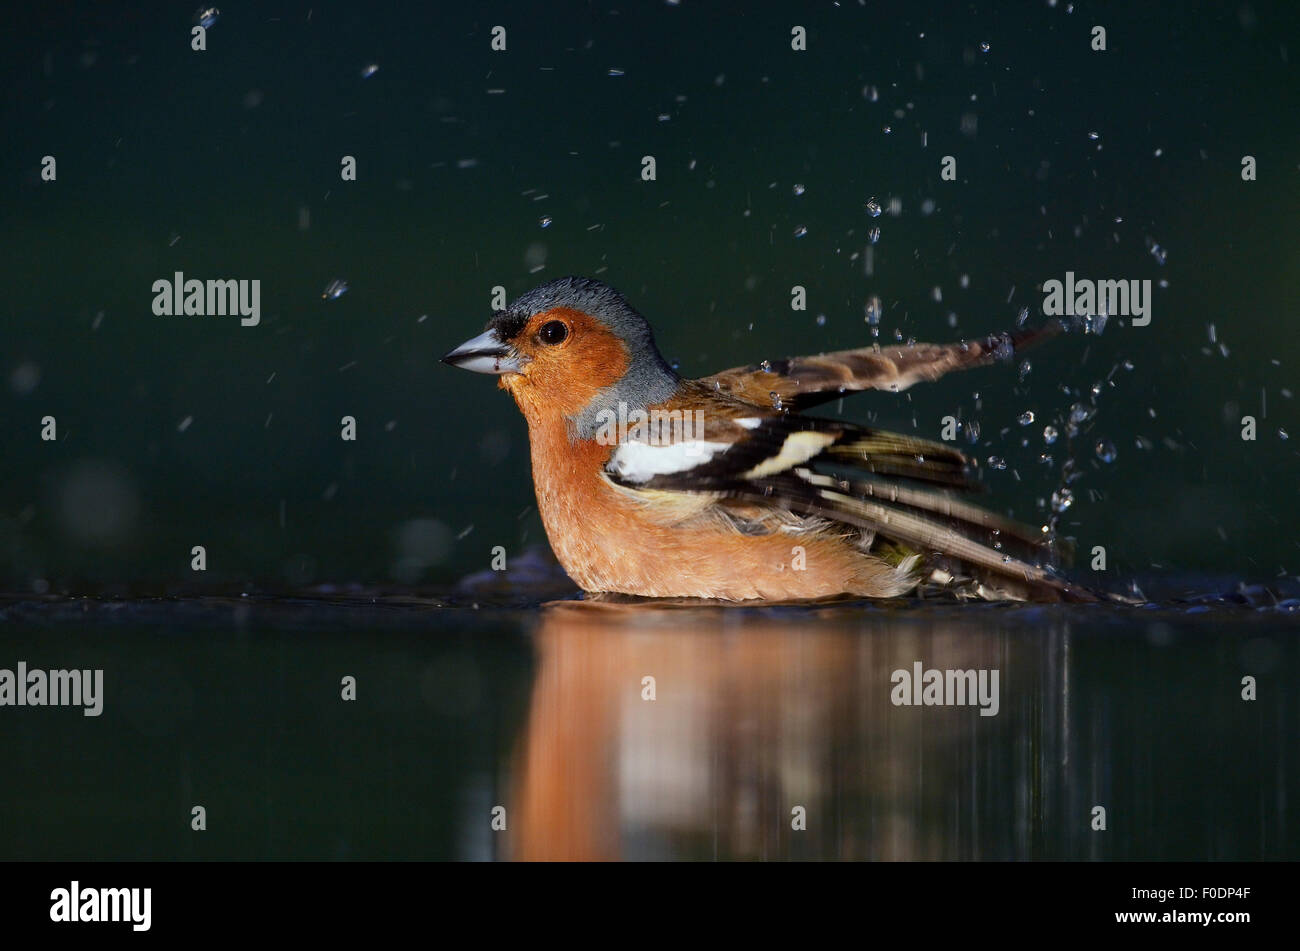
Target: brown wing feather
[(930, 529), (800, 382)]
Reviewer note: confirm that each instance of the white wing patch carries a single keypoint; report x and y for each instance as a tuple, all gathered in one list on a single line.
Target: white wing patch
[(798, 447), (640, 462)]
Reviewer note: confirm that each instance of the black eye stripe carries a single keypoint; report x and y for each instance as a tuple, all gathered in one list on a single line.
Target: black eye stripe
[(507, 324)]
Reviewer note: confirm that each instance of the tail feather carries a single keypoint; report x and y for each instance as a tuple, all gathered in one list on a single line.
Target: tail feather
[(950, 507), (936, 541)]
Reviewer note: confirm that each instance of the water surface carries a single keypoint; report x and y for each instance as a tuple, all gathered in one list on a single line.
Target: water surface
[(234, 704)]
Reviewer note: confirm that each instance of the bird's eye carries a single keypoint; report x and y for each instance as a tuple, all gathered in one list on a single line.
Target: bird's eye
[(553, 332)]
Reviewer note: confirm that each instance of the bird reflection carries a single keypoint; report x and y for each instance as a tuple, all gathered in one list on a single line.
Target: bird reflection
[(666, 731)]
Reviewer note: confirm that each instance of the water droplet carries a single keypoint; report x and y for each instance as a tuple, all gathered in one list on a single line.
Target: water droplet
[(1159, 253), (1050, 434), (545, 221), (873, 208), (997, 462), (873, 235), (1025, 418), (1022, 316), (614, 72), (25, 378), (984, 47), (873, 311), (369, 70), (1094, 136), (1079, 413), (821, 320), (799, 190), (800, 231), (334, 290), (1062, 499), (1106, 450)]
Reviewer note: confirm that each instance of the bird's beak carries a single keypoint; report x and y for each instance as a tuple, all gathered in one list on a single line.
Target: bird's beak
[(486, 353)]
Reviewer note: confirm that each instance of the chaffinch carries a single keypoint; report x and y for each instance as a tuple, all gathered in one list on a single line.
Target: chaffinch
[(653, 485)]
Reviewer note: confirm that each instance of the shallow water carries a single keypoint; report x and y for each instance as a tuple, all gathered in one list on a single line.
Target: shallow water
[(234, 704)]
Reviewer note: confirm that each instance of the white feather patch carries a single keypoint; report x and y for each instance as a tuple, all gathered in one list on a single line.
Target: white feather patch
[(640, 462), (797, 448)]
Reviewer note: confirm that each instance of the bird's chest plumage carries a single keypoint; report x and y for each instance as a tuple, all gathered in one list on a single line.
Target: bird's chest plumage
[(596, 535), (667, 544), (608, 541)]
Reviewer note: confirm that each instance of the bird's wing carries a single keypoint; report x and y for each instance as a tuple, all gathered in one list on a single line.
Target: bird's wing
[(955, 536), (721, 441), (899, 488), (800, 382)]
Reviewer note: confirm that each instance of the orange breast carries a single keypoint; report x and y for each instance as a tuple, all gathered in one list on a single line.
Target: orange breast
[(608, 542)]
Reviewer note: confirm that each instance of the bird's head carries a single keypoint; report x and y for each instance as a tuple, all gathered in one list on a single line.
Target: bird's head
[(572, 347)]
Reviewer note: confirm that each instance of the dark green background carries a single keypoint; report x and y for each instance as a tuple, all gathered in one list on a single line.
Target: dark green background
[(222, 148)]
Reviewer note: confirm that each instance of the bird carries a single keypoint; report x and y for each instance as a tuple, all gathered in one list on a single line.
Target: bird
[(651, 485)]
